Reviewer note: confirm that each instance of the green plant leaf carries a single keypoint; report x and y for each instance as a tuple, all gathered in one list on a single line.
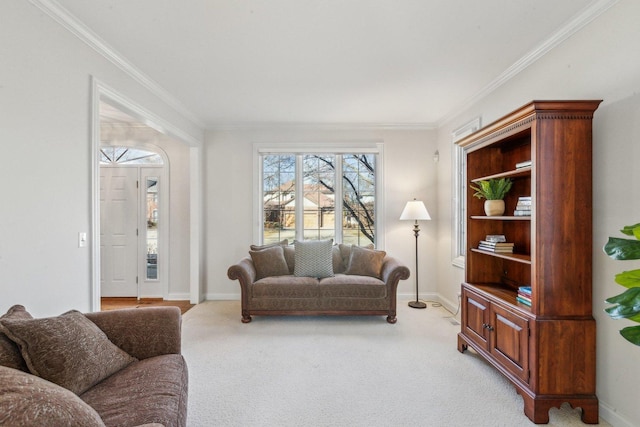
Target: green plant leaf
[(629, 279), (631, 334), (627, 304), (632, 230), (492, 189), (622, 249)]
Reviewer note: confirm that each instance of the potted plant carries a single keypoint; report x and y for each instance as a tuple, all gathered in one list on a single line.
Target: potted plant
[(493, 190), (627, 304)]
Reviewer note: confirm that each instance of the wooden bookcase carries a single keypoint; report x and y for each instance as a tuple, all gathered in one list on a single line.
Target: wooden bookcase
[(547, 350)]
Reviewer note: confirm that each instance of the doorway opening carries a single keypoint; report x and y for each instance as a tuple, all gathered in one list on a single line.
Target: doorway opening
[(119, 122), (133, 222)]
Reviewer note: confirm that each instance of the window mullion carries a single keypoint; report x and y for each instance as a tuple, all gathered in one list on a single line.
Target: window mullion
[(338, 199), (299, 197)]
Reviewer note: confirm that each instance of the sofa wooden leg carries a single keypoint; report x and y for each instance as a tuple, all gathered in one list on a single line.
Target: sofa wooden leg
[(246, 318), (392, 319)]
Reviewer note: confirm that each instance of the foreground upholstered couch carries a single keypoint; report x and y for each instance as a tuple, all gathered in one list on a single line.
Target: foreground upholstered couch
[(112, 368), (341, 280)]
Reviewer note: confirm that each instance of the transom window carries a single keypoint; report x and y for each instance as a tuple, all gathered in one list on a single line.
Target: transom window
[(319, 196), (112, 155)]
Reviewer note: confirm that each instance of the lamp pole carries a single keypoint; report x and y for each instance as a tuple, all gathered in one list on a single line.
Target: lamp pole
[(417, 303)]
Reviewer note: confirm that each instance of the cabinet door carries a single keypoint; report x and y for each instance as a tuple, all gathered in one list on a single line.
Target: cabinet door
[(509, 342), (475, 317)]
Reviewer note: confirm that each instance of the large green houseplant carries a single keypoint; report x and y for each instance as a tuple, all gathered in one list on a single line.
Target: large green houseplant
[(493, 190), (627, 304)]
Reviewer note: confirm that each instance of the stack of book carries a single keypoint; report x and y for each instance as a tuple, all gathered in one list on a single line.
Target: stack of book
[(523, 208), (524, 295), (498, 247)]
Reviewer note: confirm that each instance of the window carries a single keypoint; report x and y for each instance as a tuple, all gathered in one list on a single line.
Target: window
[(315, 195), (111, 155), (459, 198)]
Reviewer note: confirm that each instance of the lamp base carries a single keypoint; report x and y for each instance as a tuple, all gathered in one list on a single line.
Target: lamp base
[(417, 304)]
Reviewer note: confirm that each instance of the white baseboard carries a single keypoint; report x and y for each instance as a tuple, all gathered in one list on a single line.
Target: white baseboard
[(611, 416), (178, 296)]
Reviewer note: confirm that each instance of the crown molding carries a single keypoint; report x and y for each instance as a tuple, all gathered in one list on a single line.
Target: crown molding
[(575, 24), (335, 126), (82, 32)]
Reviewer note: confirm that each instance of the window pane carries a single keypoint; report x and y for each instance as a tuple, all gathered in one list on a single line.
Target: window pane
[(318, 197), (358, 211), (110, 155), (152, 228), (278, 184)]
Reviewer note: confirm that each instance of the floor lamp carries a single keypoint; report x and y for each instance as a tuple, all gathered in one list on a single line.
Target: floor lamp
[(415, 210)]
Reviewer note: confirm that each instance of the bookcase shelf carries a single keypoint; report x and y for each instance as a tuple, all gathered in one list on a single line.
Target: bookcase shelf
[(547, 349), (525, 259), (516, 173), (501, 218)]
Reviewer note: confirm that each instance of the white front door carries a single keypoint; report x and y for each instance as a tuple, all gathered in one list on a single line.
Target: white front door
[(118, 231)]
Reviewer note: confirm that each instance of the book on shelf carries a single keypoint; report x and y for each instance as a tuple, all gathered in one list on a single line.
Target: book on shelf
[(496, 247), (523, 207), (523, 301), (495, 238), (497, 244), (525, 290), (523, 164)]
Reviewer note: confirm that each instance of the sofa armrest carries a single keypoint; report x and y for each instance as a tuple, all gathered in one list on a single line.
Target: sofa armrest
[(244, 271), (393, 271), (142, 332)]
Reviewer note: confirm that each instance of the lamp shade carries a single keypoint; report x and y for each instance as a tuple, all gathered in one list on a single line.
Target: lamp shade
[(415, 210)]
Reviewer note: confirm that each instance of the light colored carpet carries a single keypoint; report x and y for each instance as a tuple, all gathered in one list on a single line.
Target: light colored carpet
[(342, 371)]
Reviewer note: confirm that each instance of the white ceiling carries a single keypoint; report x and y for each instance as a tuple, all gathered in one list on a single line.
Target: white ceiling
[(398, 62)]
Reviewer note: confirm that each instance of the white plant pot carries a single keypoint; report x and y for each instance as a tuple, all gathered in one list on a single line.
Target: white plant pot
[(494, 207)]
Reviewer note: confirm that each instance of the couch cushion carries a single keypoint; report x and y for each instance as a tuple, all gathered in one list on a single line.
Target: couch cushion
[(345, 253), (365, 262), (152, 390), (27, 400), (285, 287), (346, 286), (9, 351), (269, 262), (313, 258), (68, 350), (290, 257), (283, 243)]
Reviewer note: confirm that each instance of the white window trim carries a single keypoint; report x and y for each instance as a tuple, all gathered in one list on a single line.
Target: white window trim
[(369, 147), (459, 200)]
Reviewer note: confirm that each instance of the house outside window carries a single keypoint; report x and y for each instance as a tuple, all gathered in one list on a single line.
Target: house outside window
[(313, 195)]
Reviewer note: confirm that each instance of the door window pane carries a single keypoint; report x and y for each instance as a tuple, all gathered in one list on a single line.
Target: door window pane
[(152, 227)]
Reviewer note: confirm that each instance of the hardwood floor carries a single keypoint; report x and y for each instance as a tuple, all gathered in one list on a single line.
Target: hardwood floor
[(125, 302)]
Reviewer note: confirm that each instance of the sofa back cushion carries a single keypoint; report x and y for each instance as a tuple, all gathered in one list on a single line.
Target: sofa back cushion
[(69, 350), (9, 351)]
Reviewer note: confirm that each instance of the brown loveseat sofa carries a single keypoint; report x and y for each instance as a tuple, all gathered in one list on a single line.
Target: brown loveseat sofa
[(112, 368), (361, 281)]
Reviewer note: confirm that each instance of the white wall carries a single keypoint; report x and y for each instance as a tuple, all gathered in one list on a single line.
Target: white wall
[(599, 62), (409, 171), (45, 172)]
